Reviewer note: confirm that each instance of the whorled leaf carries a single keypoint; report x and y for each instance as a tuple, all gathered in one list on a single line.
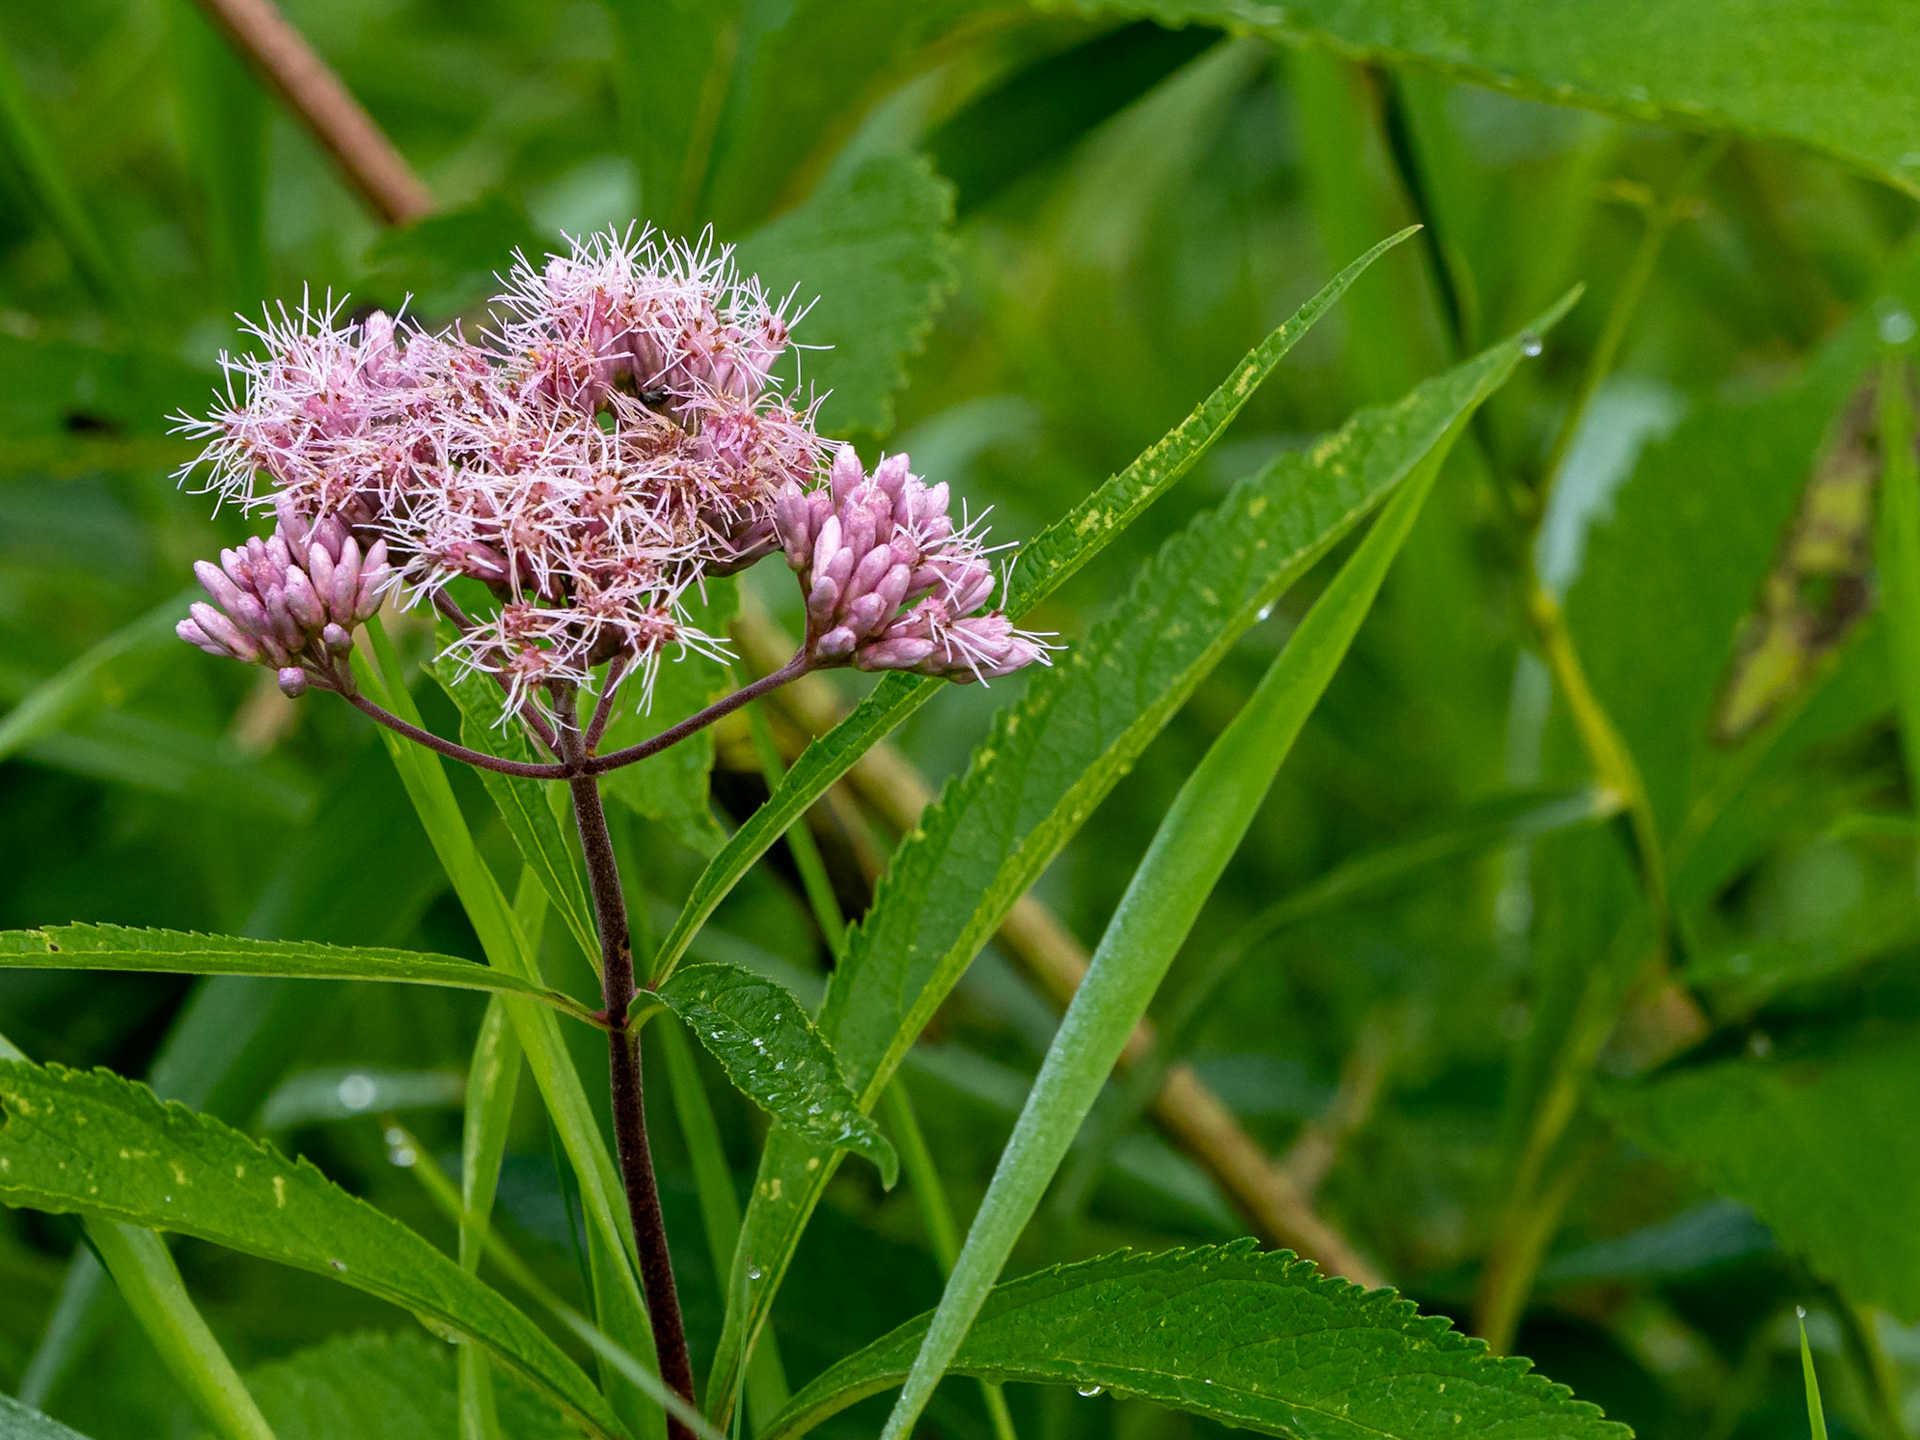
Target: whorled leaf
[(1788, 71), (379, 1385), (1052, 758), (1040, 568), (768, 1045), (1250, 1339), (179, 952), (1818, 1140), (97, 1145)]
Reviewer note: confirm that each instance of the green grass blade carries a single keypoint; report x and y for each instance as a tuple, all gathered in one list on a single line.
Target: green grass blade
[(30, 163), (493, 1082), (142, 1268), (610, 1241), (101, 678), (441, 1190), (766, 1387), (1297, 1354), (1189, 852), (104, 1148), (177, 952), (1041, 568), (226, 1046), (800, 844), (930, 1192), (1816, 1414)]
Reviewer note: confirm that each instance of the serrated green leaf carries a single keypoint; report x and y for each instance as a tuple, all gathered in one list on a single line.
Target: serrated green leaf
[(875, 246), (671, 787), (17, 1422), (1052, 758), (97, 1145), (1251, 1339), (525, 805), (1818, 1142), (1040, 568), (396, 1385), (178, 952), (1786, 71), (768, 1045), (1686, 556)]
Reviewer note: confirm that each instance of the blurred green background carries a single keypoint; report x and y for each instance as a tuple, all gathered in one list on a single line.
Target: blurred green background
[(1040, 236)]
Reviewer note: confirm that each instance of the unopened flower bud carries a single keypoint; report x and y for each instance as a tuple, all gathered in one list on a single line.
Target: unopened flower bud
[(290, 601), (890, 583)]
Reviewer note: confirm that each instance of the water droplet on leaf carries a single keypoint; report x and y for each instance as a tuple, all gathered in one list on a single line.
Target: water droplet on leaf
[(1531, 345), (1089, 1390)]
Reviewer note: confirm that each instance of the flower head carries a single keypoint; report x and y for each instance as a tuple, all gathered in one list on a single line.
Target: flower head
[(611, 441)]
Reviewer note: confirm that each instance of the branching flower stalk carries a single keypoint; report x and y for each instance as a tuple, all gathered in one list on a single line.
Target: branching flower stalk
[(609, 443)]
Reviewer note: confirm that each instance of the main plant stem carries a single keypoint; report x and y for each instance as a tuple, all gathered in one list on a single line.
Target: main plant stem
[(629, 1104)]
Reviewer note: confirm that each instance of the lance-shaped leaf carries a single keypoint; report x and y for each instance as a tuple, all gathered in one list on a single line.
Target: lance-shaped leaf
[(180, 952), (1052, 758), (1250, 1339), (1039, 569), (97, 1145), (768, 1045)]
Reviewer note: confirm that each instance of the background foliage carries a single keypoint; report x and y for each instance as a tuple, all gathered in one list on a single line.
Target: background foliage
[(1595, 1004)]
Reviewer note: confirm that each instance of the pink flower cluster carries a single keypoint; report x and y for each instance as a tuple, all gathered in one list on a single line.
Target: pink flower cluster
[(891, 584), (615, 438)]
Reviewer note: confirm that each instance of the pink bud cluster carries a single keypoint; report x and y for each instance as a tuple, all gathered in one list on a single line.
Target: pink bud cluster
[(891, 583), (290, 602)]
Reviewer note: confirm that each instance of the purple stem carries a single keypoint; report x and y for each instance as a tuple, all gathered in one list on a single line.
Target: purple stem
[(629, 1103), (477, 758), (792, 670), (586, 764)]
